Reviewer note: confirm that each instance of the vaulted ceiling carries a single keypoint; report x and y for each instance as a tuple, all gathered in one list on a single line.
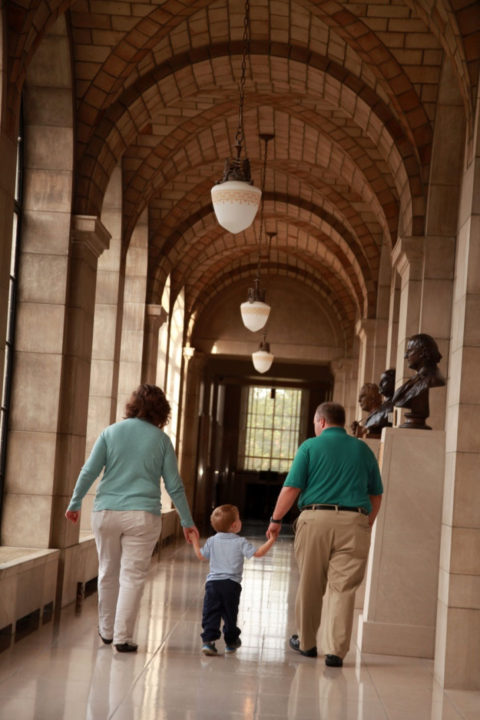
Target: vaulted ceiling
[(349, 90)]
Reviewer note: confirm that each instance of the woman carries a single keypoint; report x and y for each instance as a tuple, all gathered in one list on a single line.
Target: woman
[(126, 517)]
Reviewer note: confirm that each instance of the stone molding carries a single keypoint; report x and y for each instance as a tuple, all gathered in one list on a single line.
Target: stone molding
[(408, 253), (91, 233)]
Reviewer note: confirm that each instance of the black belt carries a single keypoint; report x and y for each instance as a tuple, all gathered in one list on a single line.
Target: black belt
[(335, 507)]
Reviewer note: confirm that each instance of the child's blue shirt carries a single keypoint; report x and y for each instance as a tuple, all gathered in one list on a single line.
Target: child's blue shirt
[(226, 553)]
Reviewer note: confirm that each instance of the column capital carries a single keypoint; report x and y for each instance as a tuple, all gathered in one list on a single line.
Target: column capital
[(408, 253), (156, 314), (89, 231)]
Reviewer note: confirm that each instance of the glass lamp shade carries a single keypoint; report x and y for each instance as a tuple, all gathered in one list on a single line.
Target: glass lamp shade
[(262, 360), (235, 203), (254, 314)]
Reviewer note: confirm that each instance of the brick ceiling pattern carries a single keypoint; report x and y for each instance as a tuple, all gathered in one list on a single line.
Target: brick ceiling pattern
[(349, 90)]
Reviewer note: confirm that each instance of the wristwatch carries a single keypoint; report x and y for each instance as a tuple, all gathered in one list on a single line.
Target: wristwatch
[(278, 522)]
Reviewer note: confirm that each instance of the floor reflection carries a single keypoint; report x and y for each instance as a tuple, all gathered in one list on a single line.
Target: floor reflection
[(63, 671)]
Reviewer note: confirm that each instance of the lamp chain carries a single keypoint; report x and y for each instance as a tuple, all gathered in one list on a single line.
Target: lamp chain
[(266, 138), (240, 135)]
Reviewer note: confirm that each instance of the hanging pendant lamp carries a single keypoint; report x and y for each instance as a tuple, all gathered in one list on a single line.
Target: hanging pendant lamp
[(262, 359), (235, 198), (255, 311)]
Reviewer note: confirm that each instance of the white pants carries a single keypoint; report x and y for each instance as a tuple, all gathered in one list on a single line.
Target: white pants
[(125, 540)]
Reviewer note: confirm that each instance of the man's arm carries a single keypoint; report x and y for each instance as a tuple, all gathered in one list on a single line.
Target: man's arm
[(376, 501), (285, 500)]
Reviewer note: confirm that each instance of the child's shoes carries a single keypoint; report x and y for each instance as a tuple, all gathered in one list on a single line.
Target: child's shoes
[(208, 648)]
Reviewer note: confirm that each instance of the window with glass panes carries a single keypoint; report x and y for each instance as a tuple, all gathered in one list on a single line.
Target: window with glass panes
[(271, 428), (12, 295)]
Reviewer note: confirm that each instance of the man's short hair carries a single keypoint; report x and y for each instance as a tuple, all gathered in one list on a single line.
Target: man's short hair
[(334, 413), (223, 517)]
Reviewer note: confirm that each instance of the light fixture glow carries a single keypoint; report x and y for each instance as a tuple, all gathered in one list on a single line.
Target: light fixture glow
[(235, 203), (254, 314), (262, 359)]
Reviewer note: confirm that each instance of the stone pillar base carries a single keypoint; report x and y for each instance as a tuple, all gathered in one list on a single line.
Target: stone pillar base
[(394, 639), (402, 575)]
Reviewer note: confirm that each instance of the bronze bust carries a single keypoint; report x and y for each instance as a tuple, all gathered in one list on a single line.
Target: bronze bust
[(423, 356), (380, 418), (369, 400)]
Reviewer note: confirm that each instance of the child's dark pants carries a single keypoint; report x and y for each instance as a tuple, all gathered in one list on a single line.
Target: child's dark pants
[(221, 602)]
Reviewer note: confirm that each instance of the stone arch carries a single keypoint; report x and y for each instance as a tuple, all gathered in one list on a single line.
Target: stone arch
[(123, 121)]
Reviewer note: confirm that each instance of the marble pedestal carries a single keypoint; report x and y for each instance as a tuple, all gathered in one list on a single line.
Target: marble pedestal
[(402, 575)]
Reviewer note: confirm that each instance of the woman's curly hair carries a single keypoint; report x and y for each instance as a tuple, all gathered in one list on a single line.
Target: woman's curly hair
[(148, 402)]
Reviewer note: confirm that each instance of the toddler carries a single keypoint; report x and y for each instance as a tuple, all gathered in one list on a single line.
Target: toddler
[(226, 552)]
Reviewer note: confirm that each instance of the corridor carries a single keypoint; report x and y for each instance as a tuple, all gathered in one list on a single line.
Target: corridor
[(64, 671)]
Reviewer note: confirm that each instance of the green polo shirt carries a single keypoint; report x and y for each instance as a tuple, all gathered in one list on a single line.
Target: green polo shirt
[(336, 469)]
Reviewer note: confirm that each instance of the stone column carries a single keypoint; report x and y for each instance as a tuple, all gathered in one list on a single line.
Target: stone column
[(458, 613), (366, 331), (155, 316), (50, 389), (89, 240), (407, 259), (102, 403), (133, 310), (345, 386), (393, 312)]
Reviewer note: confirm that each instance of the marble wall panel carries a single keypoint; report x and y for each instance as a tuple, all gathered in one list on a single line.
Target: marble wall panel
[(31, 457), (101, 380), (39, 328), (107, 286), (42, 230), (45, 190), (468, 424), (463, 649), (464, 591), (44, 279), (466, 511), (48, 106), (26, 517), (44, 69), (465, 556), (41, 140), (70, 459), (105, 331), (37, 409)]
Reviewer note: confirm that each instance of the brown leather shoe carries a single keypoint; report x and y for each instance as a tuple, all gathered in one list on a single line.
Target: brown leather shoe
[(333, 661)]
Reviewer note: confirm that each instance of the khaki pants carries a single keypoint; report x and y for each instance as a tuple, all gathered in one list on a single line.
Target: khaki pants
[(331, 548), (125, 541)]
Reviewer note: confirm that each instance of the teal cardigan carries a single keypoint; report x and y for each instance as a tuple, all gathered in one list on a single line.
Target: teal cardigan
[(135, 455)]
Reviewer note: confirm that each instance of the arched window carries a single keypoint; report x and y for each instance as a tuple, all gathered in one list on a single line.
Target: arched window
[(271, 418), (175, 363)]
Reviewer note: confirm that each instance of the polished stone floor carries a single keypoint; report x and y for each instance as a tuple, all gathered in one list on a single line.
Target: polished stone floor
[(63, 671)]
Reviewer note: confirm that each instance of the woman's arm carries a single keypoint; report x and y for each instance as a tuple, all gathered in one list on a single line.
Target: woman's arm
[(196, 547), (88, 474)]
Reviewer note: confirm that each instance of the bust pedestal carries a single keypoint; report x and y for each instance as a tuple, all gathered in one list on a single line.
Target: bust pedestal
[(402, 575)]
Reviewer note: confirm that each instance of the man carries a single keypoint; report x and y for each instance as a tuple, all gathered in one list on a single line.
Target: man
[(337, 482)]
